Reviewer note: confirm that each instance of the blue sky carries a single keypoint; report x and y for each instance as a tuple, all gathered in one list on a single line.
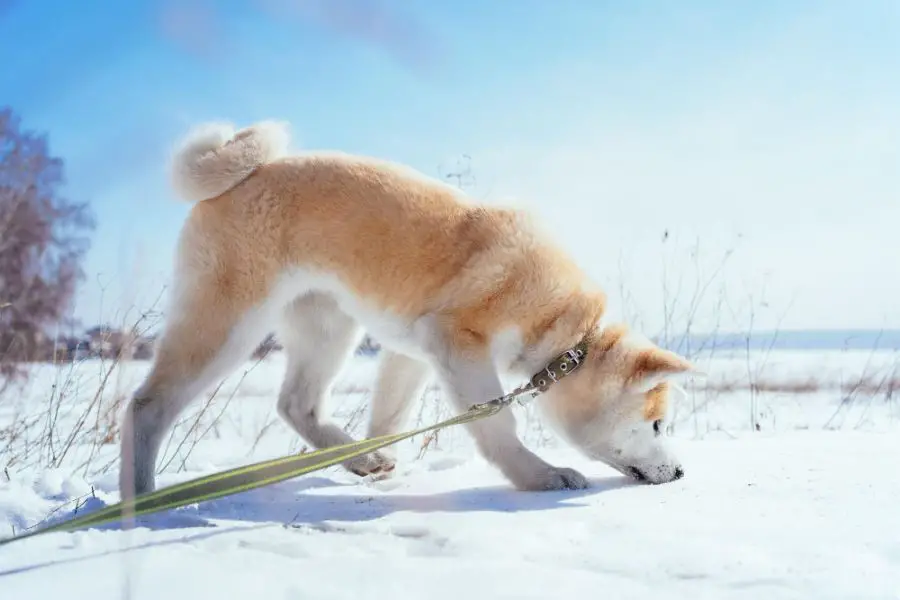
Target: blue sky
[(763, 133)]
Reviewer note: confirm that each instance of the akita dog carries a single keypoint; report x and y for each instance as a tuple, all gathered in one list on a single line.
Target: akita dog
[(319, 246)]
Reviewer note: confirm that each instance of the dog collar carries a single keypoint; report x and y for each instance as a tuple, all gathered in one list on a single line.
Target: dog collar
[(559, 367)]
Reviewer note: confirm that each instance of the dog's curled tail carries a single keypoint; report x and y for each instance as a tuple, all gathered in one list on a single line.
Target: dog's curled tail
[(213, 157)]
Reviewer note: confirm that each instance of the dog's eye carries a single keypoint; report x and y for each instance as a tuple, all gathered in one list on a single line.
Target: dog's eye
[(657, 426)]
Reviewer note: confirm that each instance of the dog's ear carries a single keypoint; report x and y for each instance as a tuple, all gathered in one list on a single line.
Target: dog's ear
[(653, 366)]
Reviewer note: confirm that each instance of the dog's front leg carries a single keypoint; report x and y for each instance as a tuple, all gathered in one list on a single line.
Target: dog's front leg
[(469, 382)]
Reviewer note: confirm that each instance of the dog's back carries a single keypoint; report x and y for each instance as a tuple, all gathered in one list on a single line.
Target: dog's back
[(394, 236)]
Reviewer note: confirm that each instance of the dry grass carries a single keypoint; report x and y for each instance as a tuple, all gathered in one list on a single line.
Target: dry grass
[(42, 441), (872, 384)]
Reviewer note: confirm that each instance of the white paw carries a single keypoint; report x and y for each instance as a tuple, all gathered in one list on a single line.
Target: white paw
[(554, 478), (370, 464)]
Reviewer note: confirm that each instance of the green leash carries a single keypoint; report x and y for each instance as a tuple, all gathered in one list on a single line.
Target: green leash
[(248, 477)]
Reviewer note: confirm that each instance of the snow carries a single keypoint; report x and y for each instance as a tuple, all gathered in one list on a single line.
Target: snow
[(803, 507)]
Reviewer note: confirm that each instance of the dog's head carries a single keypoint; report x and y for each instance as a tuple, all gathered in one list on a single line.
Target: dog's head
[(614, 406)]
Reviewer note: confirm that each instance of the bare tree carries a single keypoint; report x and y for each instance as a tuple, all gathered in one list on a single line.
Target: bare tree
[(43, 239)]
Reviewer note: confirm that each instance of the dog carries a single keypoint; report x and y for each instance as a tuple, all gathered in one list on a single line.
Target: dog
[(321, 246)]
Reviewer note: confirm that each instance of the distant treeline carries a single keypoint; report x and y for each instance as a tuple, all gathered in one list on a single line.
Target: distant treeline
[(812, 339)]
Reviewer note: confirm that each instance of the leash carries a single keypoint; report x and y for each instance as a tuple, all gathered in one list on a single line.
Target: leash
[(260, 474)]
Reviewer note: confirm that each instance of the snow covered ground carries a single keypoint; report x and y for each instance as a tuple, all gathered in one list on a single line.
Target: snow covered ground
[(789, 493)]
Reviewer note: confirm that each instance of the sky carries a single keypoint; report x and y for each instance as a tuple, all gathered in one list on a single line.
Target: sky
[(719, 165)]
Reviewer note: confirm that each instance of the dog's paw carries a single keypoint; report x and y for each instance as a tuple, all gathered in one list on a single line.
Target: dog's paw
[(375, 463), (555, 478)]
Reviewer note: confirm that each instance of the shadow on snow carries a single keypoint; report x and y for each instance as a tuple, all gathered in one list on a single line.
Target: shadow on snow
[(286, 504)]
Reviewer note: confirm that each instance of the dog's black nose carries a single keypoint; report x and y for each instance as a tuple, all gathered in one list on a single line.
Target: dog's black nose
[(679, 472)]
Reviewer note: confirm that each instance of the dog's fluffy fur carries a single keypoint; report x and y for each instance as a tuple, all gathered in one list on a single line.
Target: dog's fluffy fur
[(321, 245)]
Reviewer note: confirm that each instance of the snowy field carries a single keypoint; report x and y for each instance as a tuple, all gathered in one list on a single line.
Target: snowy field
[(791, 491)]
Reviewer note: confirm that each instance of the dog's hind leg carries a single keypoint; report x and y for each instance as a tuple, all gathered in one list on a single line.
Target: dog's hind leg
[(318, 337), (208, 334)]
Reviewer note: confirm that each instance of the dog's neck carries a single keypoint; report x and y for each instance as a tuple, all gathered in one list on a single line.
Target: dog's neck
[(524, 360)]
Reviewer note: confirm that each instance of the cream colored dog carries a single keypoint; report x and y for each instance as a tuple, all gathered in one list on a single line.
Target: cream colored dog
[(319, 246)]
